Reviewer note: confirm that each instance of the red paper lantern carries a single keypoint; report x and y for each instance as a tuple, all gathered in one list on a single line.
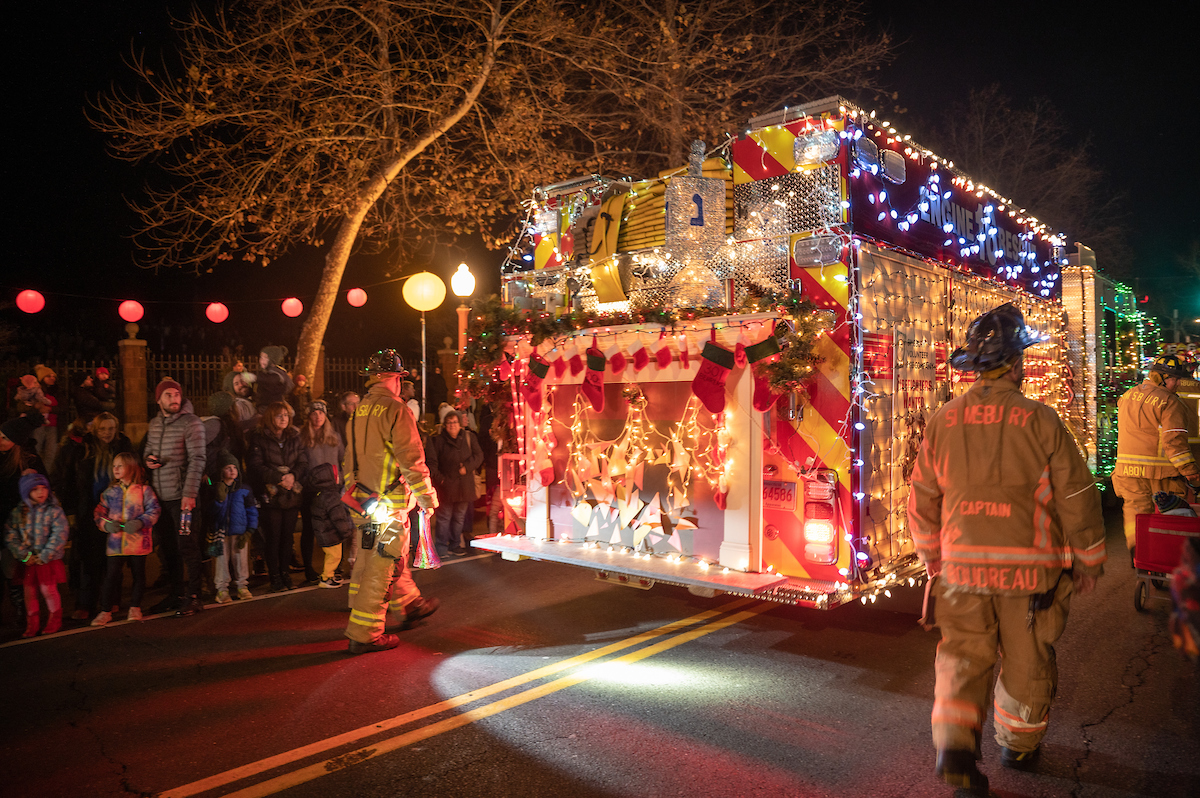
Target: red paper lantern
[(31, 301), (131, 310), (216, 312), (292, 307), (356, 297)]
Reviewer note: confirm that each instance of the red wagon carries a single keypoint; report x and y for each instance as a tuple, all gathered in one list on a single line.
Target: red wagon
[(1160, 540)]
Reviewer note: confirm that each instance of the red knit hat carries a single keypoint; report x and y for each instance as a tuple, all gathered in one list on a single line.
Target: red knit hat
[(166, 383), (101, 373)]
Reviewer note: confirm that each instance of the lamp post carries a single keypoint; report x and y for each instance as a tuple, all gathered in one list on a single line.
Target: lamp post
[(463, 285), (424, 291)]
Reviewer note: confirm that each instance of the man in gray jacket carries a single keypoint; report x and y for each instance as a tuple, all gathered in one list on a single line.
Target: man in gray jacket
[(174, 454)]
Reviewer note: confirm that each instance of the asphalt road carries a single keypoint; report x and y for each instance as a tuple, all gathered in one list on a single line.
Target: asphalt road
[(536, 680)]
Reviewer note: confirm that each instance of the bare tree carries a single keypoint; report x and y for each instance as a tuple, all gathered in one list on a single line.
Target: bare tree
[(1029, 155), (380, 123), (281, 123), (675, 71)]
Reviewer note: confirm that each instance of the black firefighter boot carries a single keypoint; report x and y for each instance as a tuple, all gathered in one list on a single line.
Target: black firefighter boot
[(957, 768)]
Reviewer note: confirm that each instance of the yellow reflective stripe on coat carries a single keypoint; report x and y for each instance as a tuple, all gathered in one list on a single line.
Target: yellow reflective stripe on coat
[(1005, 555), (1141, 459)]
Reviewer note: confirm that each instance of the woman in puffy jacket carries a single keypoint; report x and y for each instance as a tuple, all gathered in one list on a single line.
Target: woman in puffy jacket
[(276, 468)]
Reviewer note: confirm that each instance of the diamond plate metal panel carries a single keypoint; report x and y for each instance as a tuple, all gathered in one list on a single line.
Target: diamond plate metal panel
[(791, 203)]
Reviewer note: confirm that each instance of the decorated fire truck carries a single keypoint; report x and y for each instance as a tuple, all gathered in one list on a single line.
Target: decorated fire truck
[(720, 376)]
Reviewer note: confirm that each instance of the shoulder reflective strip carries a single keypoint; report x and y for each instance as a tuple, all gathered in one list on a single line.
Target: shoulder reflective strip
[(1173, 429)]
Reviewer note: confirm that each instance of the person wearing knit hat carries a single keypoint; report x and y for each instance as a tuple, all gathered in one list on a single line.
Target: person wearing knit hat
[(104, 389), (48, 434), (19, 430), (220, 403), (17, 458), (36, 536), (175, 457), (164, 384), (274, 384), (232, 517), (29, 396), (324, 446), (87, 404)]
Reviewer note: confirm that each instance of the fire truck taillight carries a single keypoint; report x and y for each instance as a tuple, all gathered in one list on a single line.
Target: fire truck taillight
[(820, 526)]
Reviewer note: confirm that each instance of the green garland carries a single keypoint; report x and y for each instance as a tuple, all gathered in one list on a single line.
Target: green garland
[(492, 323)]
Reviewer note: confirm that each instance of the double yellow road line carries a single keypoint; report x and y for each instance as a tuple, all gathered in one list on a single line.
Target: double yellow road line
[(704, 623)]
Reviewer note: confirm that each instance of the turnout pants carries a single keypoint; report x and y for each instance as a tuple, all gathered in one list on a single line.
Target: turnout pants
[(1137, 494), (975, 628), (378, 584)]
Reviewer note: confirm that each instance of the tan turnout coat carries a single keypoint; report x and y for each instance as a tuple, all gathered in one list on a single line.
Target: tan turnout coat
[(1001, 497), (1152, 436)]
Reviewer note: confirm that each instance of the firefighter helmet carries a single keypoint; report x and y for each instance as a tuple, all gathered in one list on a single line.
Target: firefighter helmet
[(995, 340), (385, 361), (1173, 366)]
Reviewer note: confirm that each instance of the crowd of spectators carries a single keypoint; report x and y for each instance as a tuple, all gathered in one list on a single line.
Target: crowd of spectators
[(218, 500)]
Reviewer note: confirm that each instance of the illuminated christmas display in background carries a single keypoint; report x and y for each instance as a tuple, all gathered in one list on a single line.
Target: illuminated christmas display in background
[(815, 335)]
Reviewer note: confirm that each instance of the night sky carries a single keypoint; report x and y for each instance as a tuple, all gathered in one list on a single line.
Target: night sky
[(1117, 77)]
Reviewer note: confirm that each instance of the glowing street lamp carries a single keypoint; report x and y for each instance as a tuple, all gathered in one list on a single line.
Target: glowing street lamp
[(463, 283), (424, 291)]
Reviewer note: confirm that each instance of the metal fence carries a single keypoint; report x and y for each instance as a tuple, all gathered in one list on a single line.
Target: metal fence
[(200, 376), (344, 374), (68, 373)]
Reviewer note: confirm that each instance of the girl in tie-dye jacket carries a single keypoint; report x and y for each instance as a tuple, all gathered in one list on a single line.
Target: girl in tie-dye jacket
[(127, 512)]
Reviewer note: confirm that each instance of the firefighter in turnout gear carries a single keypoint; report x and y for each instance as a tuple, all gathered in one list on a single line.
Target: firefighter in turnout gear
[(385, 471), (1152, 443), (1004, 511)]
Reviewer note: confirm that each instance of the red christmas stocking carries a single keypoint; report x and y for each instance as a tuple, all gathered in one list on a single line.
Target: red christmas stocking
[(575, 362), (709, 384), (663, 356), (758, 355), (560, 367), (593, 382), (641, 357), (616, 359), (538, 368)]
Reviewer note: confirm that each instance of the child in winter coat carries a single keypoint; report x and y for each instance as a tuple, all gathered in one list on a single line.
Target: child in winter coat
[(29, 397), (127, 512), (330, 520), (36, 535), (233, 516)]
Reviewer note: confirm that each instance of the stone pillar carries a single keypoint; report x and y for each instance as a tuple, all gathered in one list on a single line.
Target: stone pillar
[(133, 384)]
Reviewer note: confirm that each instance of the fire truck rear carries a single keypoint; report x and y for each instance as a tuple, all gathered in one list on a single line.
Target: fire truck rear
[(660, 435)]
